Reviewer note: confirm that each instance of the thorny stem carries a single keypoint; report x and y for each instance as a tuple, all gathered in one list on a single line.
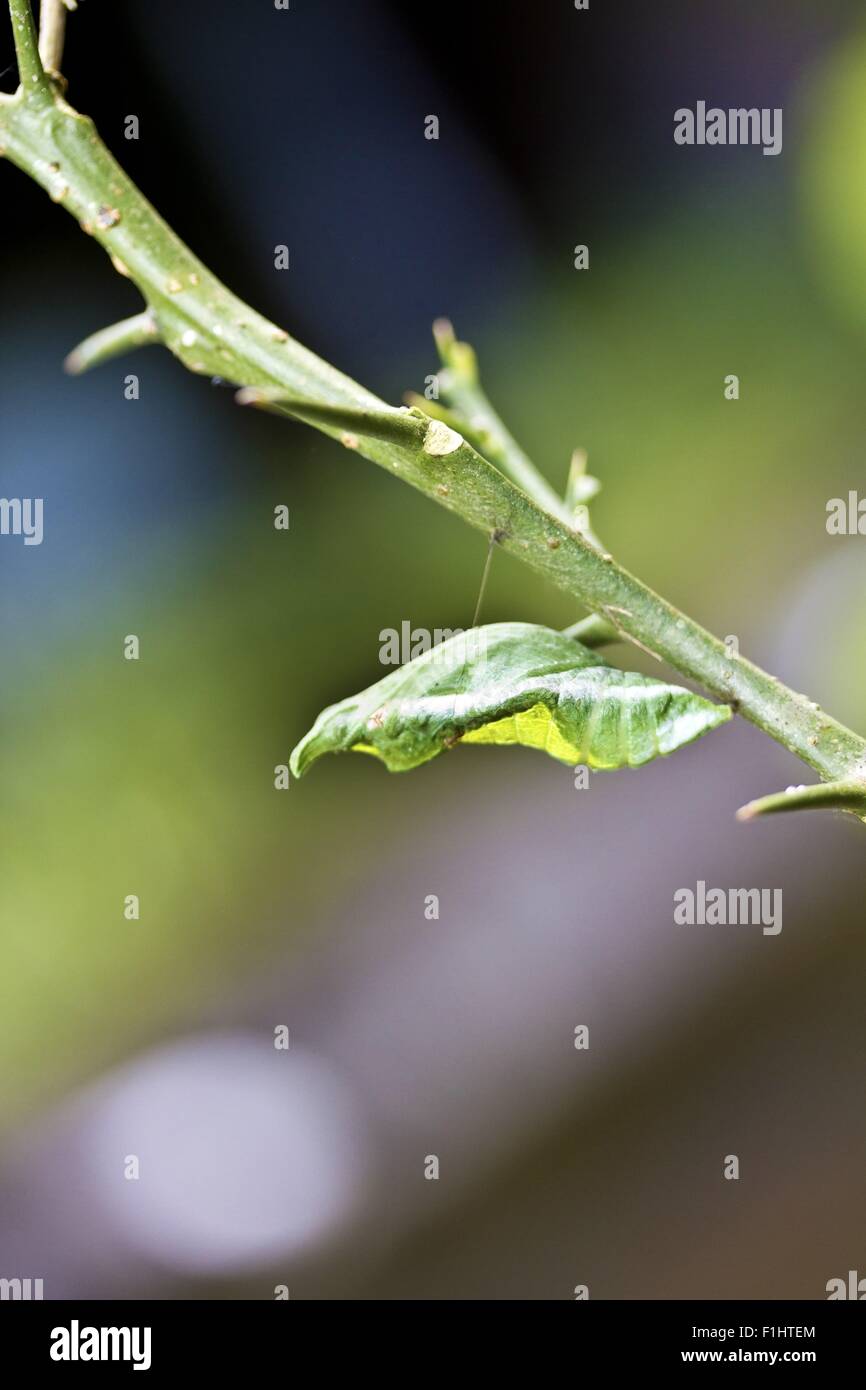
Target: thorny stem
[(465, 407), (215, 334), (109, 342), (838, 796), (461, 390)]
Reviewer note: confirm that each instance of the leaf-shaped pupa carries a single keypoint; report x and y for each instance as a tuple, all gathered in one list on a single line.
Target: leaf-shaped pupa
[(512, 683)]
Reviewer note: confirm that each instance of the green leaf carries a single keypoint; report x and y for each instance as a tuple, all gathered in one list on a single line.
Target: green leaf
[(512, 683)]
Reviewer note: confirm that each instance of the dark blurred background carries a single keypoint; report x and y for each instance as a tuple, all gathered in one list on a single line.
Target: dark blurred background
[(154, 1039)]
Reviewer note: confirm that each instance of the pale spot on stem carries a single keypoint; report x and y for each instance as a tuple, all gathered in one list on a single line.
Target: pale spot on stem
[(440, 439)]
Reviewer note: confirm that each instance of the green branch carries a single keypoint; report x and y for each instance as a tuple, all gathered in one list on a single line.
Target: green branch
[(31, 73), (465, 407), (214, 333)]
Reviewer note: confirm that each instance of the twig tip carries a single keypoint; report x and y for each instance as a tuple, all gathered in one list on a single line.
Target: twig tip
[(443, 332)]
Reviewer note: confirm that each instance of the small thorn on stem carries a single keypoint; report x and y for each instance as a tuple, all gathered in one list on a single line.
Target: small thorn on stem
[(52, 33), (820, 796), (110, 342)]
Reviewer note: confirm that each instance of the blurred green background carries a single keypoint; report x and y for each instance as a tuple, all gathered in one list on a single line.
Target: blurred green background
[(156, 777)]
